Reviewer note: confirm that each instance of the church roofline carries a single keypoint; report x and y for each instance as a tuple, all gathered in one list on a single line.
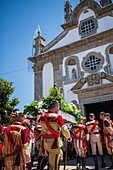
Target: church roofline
[(77, 46), (91, 4), (99, 11), (55, 41)]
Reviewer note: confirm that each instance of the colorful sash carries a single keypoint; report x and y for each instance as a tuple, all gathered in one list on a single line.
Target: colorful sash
[(80, 138), (92, 129)]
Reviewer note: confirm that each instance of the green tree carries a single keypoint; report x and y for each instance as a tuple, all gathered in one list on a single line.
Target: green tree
[(6, 104)]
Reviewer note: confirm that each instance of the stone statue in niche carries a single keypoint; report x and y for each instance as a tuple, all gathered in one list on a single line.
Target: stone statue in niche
[(93, 79), (74, 76)]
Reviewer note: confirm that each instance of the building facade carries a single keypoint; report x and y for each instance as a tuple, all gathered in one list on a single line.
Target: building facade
[(80, 59)]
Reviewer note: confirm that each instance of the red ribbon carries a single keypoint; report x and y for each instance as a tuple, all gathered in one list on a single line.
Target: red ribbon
[(108, 137), (84, 141)]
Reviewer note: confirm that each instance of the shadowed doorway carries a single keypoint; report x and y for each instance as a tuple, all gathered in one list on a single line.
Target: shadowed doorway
[(96, 108)]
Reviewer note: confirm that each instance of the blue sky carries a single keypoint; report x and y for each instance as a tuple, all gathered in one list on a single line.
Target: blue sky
[(18, 22)]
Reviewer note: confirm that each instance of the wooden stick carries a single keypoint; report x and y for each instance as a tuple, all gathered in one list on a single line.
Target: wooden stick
[(66, 155)]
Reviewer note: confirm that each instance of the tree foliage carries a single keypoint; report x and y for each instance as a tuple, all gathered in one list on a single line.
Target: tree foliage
[(6, 104)]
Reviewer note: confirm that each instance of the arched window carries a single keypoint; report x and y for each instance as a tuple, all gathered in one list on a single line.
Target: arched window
[(109, 58), (72, 69)]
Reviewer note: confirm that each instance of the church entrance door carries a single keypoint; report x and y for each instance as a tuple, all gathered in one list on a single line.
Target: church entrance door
[(96, 108)]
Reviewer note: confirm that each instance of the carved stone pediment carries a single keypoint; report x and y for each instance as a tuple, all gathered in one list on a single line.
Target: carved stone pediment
[(92, 80), (100, 90), (79, 84), (106, 76)]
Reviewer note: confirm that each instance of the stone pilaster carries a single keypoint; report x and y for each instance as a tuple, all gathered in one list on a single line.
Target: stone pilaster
[(57, 69), (38, 83)]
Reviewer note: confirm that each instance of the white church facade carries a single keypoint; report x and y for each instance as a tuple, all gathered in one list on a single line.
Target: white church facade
[(80, 59)]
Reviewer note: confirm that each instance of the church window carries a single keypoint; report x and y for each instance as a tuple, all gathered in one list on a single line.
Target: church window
[(92, 62), (88, 26), (109, 58), (72, 69)]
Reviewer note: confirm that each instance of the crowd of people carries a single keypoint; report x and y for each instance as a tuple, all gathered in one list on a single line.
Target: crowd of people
[(51, 140)]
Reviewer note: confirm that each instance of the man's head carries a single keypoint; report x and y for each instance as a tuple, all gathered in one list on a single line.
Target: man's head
[(108, 115), (91, 116), (15, 111), (20, 117), (55, 86), (102, 115), (54, 105)]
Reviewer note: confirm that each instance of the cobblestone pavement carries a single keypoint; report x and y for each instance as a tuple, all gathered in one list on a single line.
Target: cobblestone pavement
[(71, 164)]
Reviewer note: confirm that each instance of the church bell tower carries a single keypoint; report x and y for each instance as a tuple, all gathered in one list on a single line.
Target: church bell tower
[(39, 42)]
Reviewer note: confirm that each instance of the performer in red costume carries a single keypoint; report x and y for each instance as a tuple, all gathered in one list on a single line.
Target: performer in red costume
[(108, 117), (108, 135), (95, 140), (80, 133), (52, 124), (27, 125), (42, 156), (15, 147)]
